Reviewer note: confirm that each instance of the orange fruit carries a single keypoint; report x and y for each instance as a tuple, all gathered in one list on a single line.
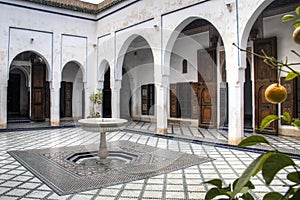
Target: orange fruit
[(275, 93), (296, 35)]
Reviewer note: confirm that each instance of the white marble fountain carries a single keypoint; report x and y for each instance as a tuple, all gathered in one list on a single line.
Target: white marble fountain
[(102, 125)]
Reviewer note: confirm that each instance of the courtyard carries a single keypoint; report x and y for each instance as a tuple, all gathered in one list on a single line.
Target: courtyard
[(16, 182)]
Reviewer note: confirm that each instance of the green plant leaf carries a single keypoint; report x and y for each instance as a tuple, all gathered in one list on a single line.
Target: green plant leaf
[(296, 123), (248, 186), (253, 140), (296, 24), (291, 76), (247, 196), (294, 177), (286, 117), (298, 10), (214, 192), (272, 196), (251, 170), (286, 18), (215, 182), (296, 195), (274, 164), (267, 121)]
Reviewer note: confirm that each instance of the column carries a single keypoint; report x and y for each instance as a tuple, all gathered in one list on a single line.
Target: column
[(162, 106), (115, 98), (55, 104), (3, 106), (236, 108)]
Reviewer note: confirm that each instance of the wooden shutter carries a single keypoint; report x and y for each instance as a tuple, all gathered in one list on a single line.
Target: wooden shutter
[(173, 101), (145, 97)]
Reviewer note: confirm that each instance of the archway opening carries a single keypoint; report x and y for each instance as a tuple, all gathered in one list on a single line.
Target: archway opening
[(138, 90), (28, 95), (274, 38), (198, 88), (71, 90), (106, 103)]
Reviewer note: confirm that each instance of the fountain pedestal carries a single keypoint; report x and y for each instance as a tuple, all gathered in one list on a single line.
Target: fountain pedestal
[(102, 125)]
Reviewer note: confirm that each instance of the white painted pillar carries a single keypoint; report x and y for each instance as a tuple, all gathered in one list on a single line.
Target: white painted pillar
[(161, 107), (55, 104), (115, 98), (87, 102), (3, 106), (236, 108)]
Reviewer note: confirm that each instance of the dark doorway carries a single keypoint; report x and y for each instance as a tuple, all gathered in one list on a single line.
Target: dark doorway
[(13, 94), (106, 98), (248, 98)]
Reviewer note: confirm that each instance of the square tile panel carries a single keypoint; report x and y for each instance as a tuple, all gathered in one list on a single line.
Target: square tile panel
[(75, 169)]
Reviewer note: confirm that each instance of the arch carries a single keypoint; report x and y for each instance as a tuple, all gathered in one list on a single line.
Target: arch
[(171, 40), (124, 50), (250, 22), (72, 91), (29, 53), (80, 67), (102, 69)]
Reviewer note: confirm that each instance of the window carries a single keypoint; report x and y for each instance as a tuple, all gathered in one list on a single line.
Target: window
[(184, 66), (148, 99)]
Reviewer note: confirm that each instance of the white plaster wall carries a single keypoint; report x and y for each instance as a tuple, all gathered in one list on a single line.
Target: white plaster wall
[(285, 43), (186, 48)]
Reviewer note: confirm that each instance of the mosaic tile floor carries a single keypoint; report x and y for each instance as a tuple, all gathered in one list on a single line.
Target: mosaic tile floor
[(74, 169), (18, 183)]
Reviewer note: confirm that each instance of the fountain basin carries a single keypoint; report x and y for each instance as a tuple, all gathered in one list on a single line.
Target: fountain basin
[(102, 124)]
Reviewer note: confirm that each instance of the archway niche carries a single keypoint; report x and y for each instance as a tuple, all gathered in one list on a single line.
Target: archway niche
[(28, 95), (71, 90), (138, 88)]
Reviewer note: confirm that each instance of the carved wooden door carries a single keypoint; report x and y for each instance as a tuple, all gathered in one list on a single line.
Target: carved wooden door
[(207, 89), (264, 76), (38, 92), (66, 92)]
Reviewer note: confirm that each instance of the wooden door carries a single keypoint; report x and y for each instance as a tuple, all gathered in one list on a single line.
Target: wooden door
[(66, 90), (38, 92), (13, 94), (263, 77), (207, 89)]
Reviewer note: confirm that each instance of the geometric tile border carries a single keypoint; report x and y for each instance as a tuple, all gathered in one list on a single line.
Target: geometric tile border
[(74, 169)]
